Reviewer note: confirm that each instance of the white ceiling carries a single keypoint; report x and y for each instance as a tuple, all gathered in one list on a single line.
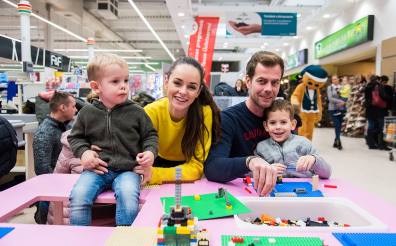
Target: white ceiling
[(129, 32)]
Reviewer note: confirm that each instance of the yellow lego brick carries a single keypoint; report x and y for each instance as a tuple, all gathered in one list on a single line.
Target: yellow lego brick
[(160, 231), (197, 197), (182, 230), (190, 222)]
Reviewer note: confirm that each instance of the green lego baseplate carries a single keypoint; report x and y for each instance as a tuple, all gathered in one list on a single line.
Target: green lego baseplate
[(208, 206), (273, 241)]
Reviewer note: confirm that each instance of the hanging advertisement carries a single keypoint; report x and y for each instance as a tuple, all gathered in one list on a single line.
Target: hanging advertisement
[(202, 43), (257, 24), (11, 49), (356, 33), (297, 59)]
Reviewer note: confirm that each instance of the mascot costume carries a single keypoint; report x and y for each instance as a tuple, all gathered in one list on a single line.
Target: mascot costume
[(306, 97)]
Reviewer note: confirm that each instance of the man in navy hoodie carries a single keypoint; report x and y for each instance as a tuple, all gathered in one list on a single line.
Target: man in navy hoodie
[(242, 127)]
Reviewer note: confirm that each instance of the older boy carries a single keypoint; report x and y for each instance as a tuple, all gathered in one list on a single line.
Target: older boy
[(122, 131)]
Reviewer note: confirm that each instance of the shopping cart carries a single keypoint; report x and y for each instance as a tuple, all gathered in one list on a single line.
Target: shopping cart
[(390, 134)]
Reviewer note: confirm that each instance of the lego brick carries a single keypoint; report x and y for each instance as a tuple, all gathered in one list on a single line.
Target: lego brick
[(291, 186), (366, 239), (269, 241), (169, 230)]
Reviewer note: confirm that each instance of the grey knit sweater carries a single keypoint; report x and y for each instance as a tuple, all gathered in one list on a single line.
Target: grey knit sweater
[(47, 145)]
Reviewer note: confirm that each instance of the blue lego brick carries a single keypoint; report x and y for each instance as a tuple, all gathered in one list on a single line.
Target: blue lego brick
[(290, 186), (366, 239)]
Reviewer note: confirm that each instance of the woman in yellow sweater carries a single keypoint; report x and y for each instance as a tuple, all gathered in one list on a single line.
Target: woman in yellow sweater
[(187, 121)]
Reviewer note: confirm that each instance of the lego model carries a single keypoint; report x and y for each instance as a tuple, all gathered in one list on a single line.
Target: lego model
[(180, 227)]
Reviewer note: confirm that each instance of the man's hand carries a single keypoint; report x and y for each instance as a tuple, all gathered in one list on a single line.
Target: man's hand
[(145, 159), (145, 171), (90, 161), (264, 175), (280, 168), (305, 163)]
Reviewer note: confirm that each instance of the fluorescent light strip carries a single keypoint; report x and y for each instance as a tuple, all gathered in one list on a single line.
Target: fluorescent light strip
[(150, 67), (100, 50), (50, 23), (5, 36), (125, 57), (129, 63), (151, 29)]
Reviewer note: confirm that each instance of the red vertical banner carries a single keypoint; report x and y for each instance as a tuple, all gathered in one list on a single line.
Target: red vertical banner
[(202, 43)]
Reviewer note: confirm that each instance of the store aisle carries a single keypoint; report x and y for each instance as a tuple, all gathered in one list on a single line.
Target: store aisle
[(370, 170)]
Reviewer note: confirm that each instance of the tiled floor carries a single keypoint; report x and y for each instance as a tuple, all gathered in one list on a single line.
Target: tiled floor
[(370, 170)]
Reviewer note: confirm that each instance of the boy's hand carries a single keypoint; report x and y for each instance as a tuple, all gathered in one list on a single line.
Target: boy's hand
[(280, 168), (305, 163), (90, 161), (145, 159), (145, 171)]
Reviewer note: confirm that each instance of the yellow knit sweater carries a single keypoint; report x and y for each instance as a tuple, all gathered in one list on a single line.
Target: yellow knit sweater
[(170, 136)]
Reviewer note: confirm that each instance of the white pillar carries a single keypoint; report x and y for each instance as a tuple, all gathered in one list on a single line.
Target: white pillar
[(91, 48), (25, 9)]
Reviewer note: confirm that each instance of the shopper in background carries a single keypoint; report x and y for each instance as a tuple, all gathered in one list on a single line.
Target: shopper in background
[(240, 88), (337, 108), (376, 109), (47, 140), (124, 135), (388, 91), (187, 121), (292, 155), (242, 127)]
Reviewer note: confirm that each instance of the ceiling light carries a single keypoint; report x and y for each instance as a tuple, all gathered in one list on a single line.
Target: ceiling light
[(326, 16), (129, 63), (262, 47), (100, 50), (285, 44), (265, 44), (277, 50), (309, 28), (151, 29), (298, 15), (124, 57), (180, 14), (183, 26), (295, 37), (150, 67), (49, 22)]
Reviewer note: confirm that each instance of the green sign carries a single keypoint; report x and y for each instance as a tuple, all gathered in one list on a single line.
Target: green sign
[(297, 59), (350, 36)]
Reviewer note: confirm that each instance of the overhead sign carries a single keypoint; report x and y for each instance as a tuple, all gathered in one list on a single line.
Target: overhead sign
[(278, 24), (356, 33), (257, 24), (297, 59), (202, 43), (11, 49)]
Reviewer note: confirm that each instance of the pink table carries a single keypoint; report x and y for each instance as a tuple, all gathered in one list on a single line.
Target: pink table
[(59, 185), (59, 235), (48, 187), (150, 213)]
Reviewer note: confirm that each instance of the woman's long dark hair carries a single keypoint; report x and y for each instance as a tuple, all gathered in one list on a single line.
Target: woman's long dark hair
[(195, 125)]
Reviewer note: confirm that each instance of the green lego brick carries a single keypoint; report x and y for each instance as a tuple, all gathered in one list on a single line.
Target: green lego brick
[(169, 230), (279, 241)]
